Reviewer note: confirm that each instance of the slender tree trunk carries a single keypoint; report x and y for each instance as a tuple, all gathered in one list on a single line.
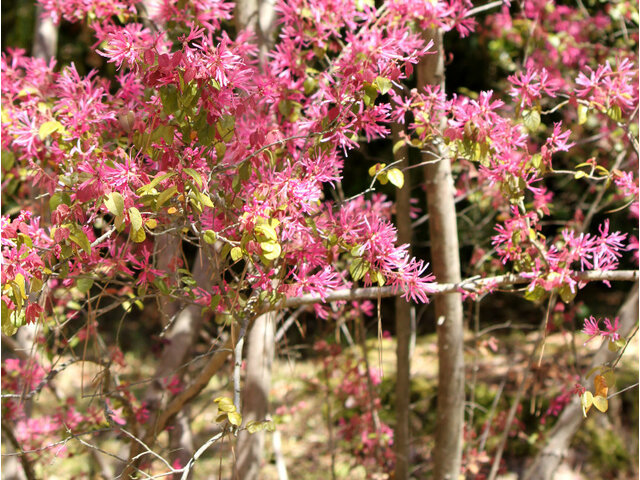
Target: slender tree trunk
[(181, 337), (569, 421), (401, 438), (445, 262), (259, 16), (255, 395), (45, 43)]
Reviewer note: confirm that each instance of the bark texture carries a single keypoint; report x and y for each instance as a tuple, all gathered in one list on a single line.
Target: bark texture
[(255, 395), (259, 16), (445, 263), (555, 449), (401, 437)]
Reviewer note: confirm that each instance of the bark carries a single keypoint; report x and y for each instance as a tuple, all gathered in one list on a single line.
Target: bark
[(259, 16), (446, 267), (255, 395), (181, 337), (401, 437), (557, 444), (45, 43)]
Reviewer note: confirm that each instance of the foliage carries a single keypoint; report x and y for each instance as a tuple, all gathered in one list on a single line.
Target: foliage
[(196, 144)]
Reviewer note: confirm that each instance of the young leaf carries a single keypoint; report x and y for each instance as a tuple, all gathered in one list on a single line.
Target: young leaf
[(210, 237), (396, 177), (47, 128), (114, 203), (135, 218), (236, 254)]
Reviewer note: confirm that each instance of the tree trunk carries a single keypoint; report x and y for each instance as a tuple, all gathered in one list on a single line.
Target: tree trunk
[(402, 438), (259, 16), (255, 395), (446, 267), (45, 43), (569, 421), (181, 336)]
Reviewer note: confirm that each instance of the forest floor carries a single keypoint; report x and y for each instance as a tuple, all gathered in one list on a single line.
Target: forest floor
[(316, 443), (312, 447)]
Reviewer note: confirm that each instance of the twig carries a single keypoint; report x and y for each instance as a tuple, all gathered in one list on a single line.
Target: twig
[(199, 452), (483, 8), (281, 466)]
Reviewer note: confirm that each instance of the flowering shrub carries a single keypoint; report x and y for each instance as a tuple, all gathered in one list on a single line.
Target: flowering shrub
[(197, 142)]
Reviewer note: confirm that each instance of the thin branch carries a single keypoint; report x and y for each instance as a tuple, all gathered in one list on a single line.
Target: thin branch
[(198, 454), (483, 8), (473, 284)]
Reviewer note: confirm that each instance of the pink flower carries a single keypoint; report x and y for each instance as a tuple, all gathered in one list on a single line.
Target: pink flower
[(591, 328)]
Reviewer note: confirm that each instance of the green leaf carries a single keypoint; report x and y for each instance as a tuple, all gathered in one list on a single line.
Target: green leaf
[(396, 177), (154, 183), (236, 254), (384, 85), (265, 231), (370, 94), (169, 97), (195, 175), (566, 294), (271, 250), (358, 269), (84, 284), (135, 218), (114, 203), (47, 128), (534, 295), (210, 237), (80, 238), (226, 126), (57, 199), (166, 195), (531, 119), (398, 145)]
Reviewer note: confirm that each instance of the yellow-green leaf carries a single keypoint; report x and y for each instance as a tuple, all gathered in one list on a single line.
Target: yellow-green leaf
[(210, 237), (166, 195), (236, 254), (47, 128), (206, 201), (583, 112), (235, 418), (266, 231), (195, 175), (396, 177), (601, 403), (384, 85), (271, 250), (531, 119), (84, 284), (135, 218), (151, 223), (586, 400), (114, 203), (138, 236)]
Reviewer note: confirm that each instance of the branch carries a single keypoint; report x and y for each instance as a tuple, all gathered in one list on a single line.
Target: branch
[(471, 284)]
